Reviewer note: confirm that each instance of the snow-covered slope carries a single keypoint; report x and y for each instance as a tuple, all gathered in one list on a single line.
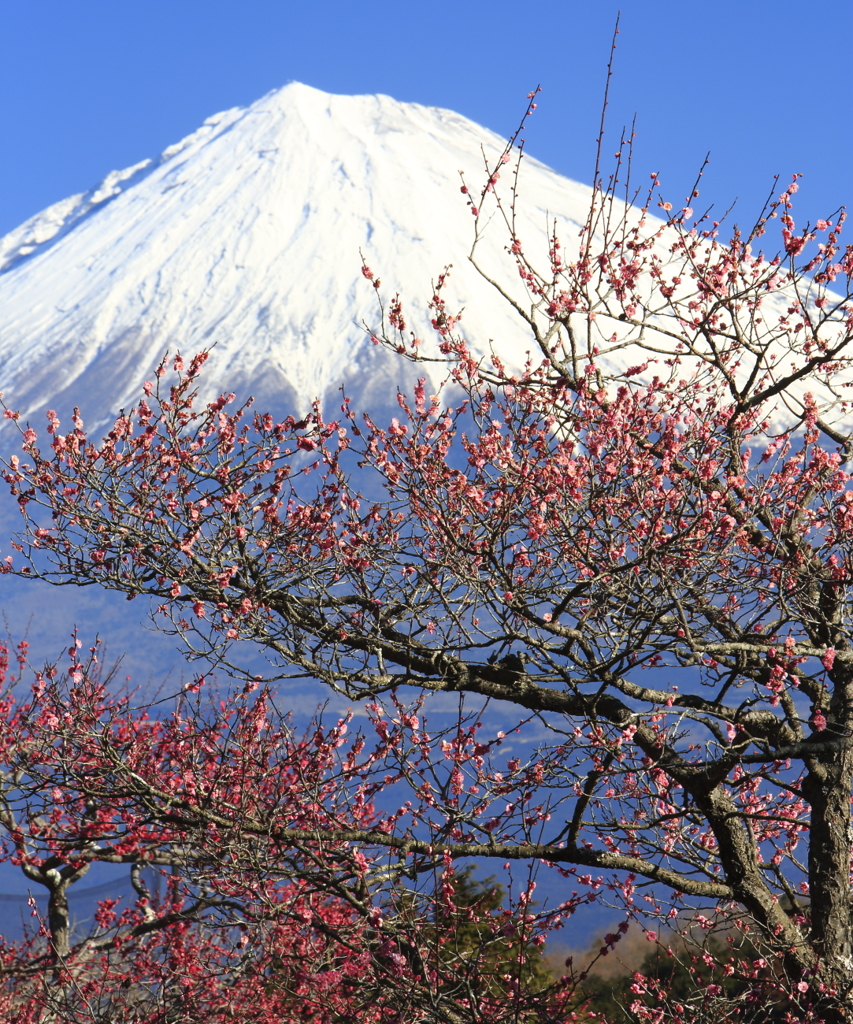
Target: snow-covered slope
[(246, 236)]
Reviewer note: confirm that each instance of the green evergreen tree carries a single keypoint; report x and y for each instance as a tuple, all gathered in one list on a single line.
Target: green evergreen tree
[(722, 979)]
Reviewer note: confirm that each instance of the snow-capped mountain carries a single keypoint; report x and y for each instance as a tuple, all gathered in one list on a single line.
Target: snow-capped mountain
[(246, 236)]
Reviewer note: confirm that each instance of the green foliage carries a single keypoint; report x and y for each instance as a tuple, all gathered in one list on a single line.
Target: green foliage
[(718, 979), (460, 935), (488, 947)]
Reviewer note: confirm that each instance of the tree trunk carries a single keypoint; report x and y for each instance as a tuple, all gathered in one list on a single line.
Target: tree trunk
[(827, 787)]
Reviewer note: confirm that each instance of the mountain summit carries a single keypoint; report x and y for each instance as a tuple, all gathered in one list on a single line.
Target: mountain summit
[(246, 236)]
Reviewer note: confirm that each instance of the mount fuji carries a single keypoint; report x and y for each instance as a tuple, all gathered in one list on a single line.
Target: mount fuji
[(245, 236)]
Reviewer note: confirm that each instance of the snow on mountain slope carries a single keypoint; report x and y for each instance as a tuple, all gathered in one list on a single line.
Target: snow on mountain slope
[(246, 236)]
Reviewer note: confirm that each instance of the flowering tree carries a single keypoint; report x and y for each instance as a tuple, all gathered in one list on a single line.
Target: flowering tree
[(641, 539), (275, 905)]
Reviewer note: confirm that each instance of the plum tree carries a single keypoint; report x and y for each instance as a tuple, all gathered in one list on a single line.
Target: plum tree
[(640, 539)]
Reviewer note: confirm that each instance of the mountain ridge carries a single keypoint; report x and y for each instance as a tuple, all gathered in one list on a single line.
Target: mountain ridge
[(246, 236)]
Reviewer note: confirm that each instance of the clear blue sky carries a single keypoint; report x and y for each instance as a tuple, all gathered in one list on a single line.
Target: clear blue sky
[(90, 86)]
